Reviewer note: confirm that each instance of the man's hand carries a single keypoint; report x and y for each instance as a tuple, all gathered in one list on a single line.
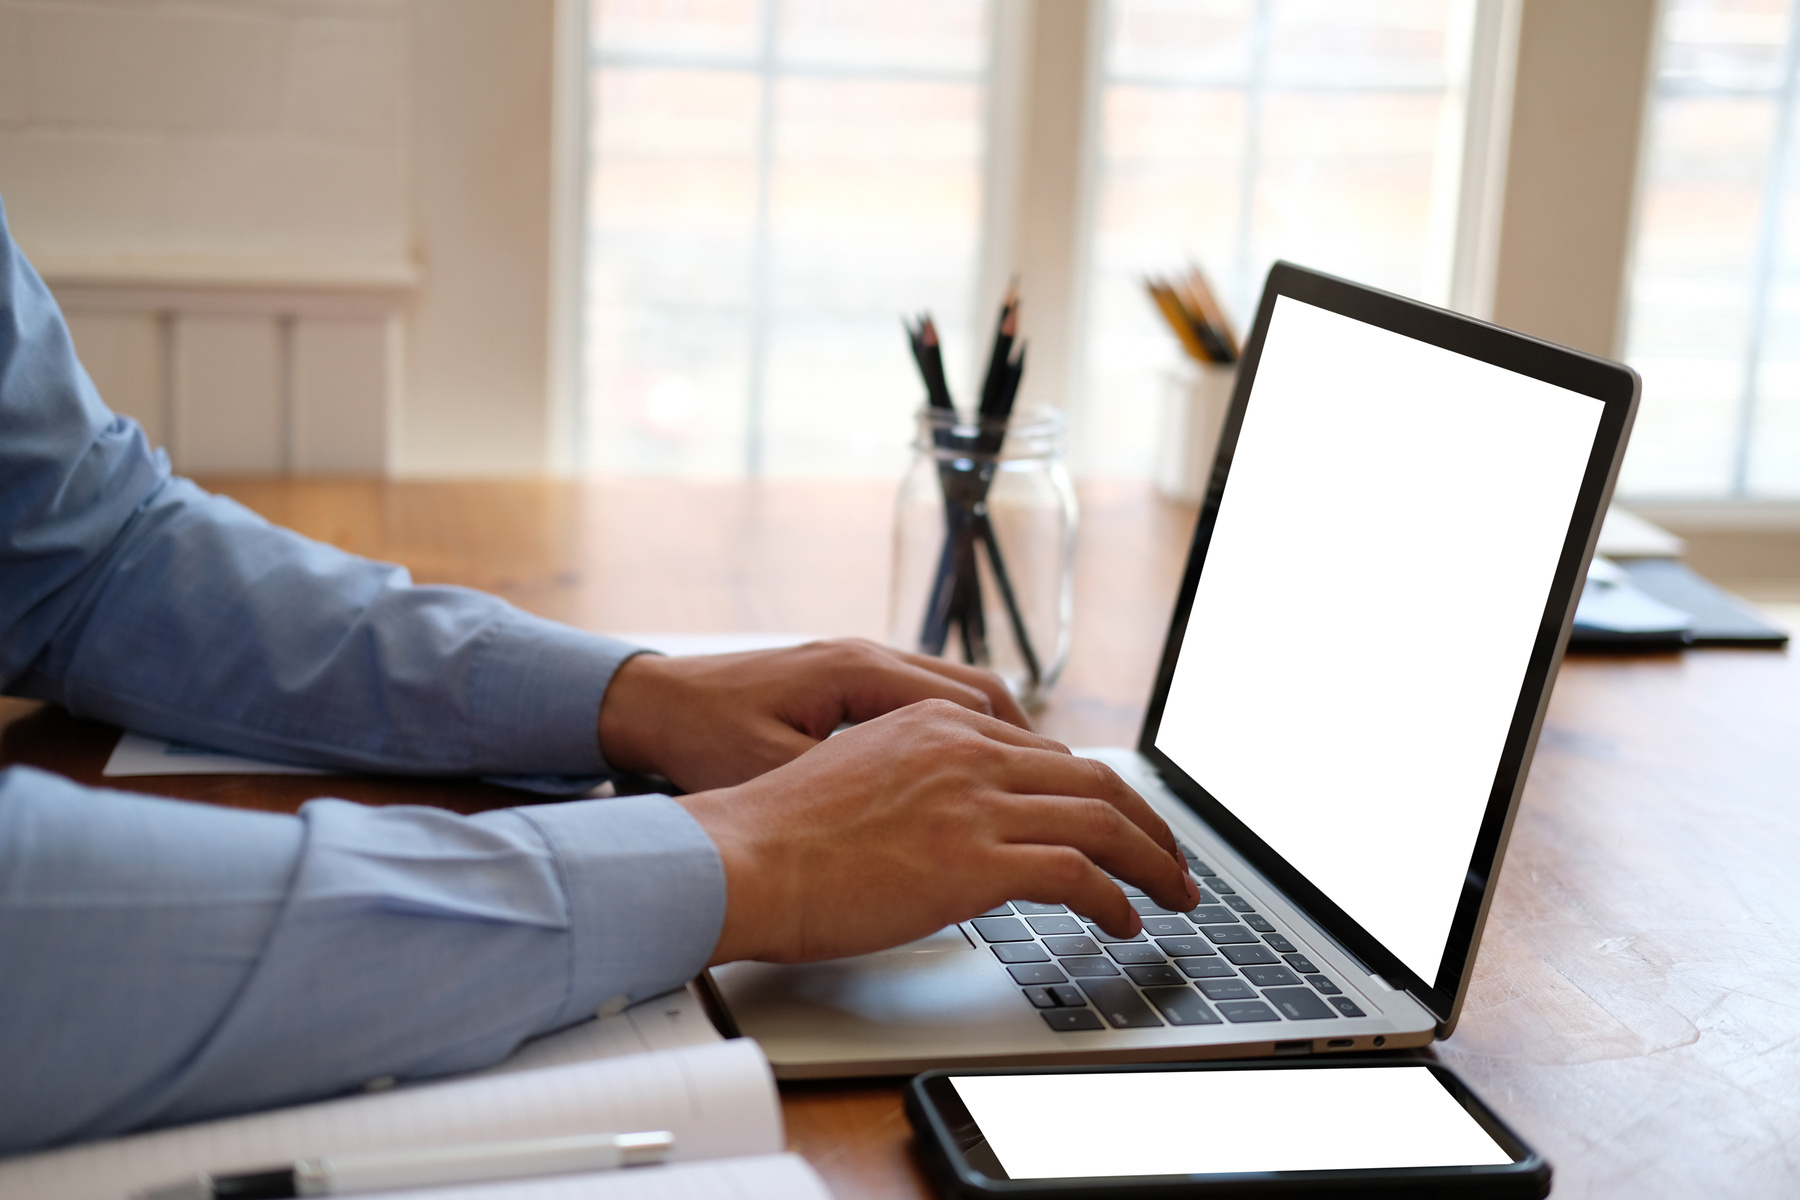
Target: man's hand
[(927, 816), (716, 720)]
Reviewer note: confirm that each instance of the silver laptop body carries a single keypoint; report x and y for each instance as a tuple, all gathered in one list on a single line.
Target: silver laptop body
[(1401, 511)]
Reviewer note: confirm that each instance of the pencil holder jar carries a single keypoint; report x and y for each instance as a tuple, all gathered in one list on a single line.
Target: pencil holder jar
[(984, 547)]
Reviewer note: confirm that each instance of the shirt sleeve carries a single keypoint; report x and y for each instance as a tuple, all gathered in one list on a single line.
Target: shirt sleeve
[(167, 961), (135, 597)]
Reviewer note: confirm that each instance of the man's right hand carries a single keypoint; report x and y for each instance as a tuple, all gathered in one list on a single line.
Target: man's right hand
[(929, 815)]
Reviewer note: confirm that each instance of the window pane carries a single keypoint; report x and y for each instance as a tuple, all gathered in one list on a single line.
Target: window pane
[(1235, 132), (1711, 325), (761, 212)]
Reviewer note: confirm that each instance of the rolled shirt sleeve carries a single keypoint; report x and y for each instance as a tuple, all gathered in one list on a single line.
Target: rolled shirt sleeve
[(168, 961)]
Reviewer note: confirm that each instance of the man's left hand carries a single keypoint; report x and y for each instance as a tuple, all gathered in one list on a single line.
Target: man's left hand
[(717, 720)]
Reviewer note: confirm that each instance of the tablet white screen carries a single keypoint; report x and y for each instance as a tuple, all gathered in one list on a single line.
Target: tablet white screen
[(1203, 1122), (1362, 625)]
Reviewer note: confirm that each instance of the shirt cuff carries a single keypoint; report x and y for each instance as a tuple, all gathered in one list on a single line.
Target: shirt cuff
[(536, 698), (646, 890)]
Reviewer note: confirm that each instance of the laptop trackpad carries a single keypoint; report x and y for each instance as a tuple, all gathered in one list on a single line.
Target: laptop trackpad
[(950, 937)]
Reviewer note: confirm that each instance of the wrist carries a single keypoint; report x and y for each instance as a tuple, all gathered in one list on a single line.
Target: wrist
[(756, 889), (629, 726)]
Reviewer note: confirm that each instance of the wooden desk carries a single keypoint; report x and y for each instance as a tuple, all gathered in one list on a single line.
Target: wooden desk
[(1636, 1011)]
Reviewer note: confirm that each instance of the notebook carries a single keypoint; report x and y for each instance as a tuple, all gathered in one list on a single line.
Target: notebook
[(657, 1066), (1402, 507)]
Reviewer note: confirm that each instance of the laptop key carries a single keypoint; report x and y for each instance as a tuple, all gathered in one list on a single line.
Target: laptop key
[(1166, 926), (1037, 973), (1050, 925), (1300, 963), (1100, 935), (1001, 929), (1239, 1011), (1060, 946), (999, 910), (1018, 952), (1226, 989), (1281, 944), (1071, 1020), (1228, 935), (1259, 923), (1239, 903), (1212, 915), (1067, 995), (1324, 985), (1147, 907), (1180, 947), (1346, 1006), (1300, 1004), (1181, 1006), (1120, 1003), (1040, 997), (1206, 968), (1249, 956), (1268, 977), (1162, 975), (1198, 867), (1135, 952), (1218, 885), (1088, 967), (1031, 908), (1207, 897)]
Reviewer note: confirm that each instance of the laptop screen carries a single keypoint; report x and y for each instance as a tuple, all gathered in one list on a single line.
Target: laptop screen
[(1362, 625)]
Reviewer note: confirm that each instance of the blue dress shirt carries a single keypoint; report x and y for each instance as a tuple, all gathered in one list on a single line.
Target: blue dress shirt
[(163, 961)]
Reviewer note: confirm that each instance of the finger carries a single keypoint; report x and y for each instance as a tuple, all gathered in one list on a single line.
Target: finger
[(993, 729), (895, 683), (1072, 775), (1062, 875), (1105, 836), (999, 695)]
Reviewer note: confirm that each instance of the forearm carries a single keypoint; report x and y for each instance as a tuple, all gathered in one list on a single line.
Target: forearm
[(132, 596), (205, 623), (167, 961)]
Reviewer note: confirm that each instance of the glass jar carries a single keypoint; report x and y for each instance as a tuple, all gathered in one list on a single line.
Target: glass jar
[(984, 547)]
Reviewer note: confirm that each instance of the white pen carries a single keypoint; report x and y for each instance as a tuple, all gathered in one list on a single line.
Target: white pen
[(341, 1174)]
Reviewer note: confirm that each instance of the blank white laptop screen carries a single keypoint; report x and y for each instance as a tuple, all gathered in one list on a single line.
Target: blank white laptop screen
[(1361, 628)]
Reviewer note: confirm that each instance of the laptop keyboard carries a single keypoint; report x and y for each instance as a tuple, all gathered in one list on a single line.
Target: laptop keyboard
[(1220, 962)]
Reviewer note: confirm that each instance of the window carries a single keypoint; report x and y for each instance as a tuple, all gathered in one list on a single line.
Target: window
[(1234, 132), (1714, 318), (772, 183)]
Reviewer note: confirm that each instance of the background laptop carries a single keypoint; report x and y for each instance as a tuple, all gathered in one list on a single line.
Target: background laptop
[(1381, 584)]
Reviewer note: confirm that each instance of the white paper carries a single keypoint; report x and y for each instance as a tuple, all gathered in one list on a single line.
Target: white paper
[(719, 1100), (138, 754), (768, 1177), (1624, 534), (668, 1022)]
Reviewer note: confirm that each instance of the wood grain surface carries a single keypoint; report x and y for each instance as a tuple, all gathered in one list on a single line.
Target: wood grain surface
[(1636, 1004)]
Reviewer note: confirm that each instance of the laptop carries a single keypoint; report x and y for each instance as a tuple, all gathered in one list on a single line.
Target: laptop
[(1386, 565)]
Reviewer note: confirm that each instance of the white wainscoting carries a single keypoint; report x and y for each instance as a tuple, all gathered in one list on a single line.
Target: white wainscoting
[(233, 367)]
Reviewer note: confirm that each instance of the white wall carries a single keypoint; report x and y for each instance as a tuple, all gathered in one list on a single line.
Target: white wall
[(295, 234)]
